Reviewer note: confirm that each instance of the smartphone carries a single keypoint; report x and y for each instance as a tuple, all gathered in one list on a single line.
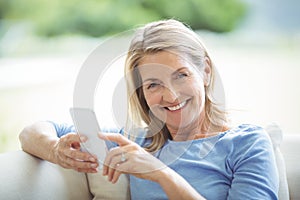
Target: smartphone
[(86, 124)]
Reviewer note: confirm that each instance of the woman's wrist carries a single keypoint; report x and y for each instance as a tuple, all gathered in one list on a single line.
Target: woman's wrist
[(163, 175), (52, 156)]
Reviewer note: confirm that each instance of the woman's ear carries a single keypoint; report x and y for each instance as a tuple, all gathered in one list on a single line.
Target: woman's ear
[(207, 71)]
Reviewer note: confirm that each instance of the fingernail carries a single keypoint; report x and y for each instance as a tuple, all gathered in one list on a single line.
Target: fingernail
[(94, 165), (92, 159)]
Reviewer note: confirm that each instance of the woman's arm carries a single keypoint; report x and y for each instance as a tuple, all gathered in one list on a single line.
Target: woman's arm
[(253, 165), (143, 165), (40, 139), (175, 186)]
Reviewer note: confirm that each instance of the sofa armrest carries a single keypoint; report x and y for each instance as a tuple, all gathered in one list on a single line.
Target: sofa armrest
[(290, 151), (26, 177)]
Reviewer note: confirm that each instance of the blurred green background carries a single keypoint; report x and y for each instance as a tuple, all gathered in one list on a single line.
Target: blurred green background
[(43, 44), (97, 18)]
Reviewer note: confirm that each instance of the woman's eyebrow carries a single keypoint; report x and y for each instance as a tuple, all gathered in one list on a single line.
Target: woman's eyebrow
[(150, 80), (178, 70)]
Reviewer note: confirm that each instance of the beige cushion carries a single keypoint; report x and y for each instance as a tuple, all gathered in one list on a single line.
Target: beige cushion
[(103, 189)]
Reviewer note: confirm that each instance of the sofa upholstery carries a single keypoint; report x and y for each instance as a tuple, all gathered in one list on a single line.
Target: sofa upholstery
[(28, 178), (291, 154)]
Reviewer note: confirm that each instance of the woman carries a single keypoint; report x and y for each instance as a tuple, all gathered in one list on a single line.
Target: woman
[(187, 149)]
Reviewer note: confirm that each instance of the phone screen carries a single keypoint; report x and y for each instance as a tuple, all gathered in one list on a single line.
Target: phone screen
[(85, 122)]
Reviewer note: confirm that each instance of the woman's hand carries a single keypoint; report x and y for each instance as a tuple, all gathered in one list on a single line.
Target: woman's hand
[(40, 139), (129, 158), (67, 153)]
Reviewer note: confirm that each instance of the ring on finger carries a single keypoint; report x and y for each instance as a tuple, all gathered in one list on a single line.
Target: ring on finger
[(123, 157)]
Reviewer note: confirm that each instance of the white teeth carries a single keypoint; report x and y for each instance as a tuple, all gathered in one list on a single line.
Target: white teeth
[(177, 107)]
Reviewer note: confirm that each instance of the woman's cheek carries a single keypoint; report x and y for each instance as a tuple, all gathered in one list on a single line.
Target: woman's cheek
[(152, 99)]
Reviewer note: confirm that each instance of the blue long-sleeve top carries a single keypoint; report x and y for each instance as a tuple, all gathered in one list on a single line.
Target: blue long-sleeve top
[(235, 164)]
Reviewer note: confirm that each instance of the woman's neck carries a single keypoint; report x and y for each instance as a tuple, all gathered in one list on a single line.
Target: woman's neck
[(195, 131)]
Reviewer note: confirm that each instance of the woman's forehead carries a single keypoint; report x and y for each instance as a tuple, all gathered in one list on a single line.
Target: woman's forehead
[(161, 63), (155, 71), (162, 57)]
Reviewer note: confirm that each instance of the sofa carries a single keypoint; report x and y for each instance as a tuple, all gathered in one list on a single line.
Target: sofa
[(26, 177)]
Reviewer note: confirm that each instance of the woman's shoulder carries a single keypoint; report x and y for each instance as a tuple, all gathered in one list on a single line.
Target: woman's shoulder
[(245, 130), (245, 135)]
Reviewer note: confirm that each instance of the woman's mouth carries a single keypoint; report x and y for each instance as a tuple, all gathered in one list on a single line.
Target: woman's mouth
[(177, 107)]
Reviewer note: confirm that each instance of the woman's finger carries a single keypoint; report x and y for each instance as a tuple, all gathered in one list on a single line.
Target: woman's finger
[(116, 155), (116, 176), (76, 154), (115, 172), (113, 163), (80, 164), (110, 173), (117, 138)]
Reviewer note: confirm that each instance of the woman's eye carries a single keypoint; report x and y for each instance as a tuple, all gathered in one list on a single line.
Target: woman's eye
[(182, 75), (152, 86)]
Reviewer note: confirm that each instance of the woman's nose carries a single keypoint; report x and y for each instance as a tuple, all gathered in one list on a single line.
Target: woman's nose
[(169, 95)]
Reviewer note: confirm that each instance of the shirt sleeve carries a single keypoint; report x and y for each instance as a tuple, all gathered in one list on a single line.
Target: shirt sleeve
[(254, 168), (63, 129)]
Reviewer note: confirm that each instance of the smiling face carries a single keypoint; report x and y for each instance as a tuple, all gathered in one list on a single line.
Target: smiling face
[(173, 89)]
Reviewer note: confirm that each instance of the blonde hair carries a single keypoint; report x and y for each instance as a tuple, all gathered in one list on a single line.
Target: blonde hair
[(165, 35)]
